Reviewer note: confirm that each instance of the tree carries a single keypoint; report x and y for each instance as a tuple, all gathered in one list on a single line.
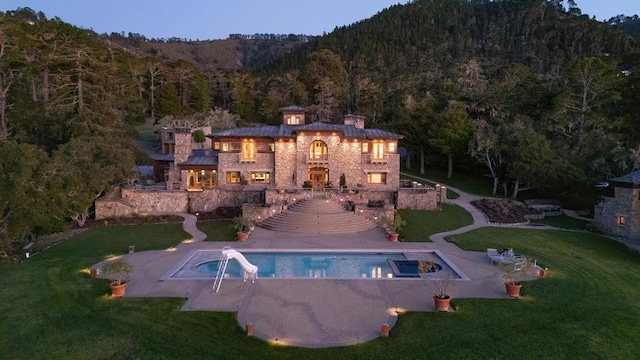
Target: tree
[(451, 132)]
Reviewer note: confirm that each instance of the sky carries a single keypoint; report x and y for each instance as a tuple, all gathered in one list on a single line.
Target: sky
[(216, 19)]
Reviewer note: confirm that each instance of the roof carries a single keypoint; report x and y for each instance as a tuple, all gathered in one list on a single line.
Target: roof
[(632, 179), (199, 160), (293, 108), (348, 131), (161, 157)]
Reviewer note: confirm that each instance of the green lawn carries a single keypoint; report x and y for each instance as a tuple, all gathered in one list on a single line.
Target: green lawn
[(423, 223), (586, 308), (472, 183), (217, 230), (564, 222)]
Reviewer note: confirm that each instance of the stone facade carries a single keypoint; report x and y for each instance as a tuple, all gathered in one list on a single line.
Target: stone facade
[(270, 165), (620, 215)]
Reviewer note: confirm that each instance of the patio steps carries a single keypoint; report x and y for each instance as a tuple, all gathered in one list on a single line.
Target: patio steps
[(315, 217)]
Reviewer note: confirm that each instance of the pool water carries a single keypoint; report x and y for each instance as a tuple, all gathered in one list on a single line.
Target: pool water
[(310, 265)]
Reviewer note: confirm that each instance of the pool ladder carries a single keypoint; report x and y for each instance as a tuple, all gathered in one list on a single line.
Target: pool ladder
[(222, 267)]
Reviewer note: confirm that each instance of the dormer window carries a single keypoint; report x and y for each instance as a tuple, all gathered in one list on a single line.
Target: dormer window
[(293, 120)]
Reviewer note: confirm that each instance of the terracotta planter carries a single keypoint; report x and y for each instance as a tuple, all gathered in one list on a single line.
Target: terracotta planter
[(513, 289), (542, 273), (242, 236), (393, 237), (442, 304), (118, 290)]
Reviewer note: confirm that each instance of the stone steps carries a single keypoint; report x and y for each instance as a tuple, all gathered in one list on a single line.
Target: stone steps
[(317, 216)]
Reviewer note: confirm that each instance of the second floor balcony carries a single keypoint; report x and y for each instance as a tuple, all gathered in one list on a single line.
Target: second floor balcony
[(318, 158)]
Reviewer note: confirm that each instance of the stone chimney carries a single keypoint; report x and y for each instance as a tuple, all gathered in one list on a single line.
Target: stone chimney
[(355, 120)]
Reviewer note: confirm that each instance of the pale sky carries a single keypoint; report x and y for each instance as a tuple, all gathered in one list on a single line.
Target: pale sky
[(216, 19)]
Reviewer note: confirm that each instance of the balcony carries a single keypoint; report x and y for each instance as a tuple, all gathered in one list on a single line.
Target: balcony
[(318, 158), (378, 159)]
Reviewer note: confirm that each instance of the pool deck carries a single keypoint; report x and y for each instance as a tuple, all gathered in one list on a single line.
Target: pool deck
[(311, 313)]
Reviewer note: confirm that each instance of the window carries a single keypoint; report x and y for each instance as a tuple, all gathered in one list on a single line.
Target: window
[(248, 150), (216, 145), (293, 120), (622, 221), (233, 177), (378, 151), (318, 151), (272, 147), (365, 147), (225, 146), (376, 178), (392, 147), (260, 178)]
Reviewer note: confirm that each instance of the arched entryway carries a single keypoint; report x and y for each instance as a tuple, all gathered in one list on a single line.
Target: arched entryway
[(319, 177)]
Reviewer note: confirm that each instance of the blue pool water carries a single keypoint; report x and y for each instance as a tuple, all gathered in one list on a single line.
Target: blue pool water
[(311, 265)]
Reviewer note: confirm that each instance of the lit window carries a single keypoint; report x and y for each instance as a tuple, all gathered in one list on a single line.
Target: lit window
[(260, 178), (233, 177), (225, 146), (392, 147), (293, 120), (318, 151), (272, 147), (378, 151), (621, 221), (365, 147), (376, 178), (248, 150), (216, 145)]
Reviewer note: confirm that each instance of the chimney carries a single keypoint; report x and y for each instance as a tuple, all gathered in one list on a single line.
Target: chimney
[(355, 120)]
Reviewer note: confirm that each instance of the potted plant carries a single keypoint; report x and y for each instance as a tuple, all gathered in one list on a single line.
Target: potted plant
[(440, 286), (393, 225), (512, 273), (118, 270), (242, 227)]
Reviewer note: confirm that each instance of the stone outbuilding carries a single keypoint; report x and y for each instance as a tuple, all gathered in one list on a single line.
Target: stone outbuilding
[(620, 215)]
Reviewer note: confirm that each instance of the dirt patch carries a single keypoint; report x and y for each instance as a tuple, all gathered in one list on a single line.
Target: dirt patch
[(504, 211)]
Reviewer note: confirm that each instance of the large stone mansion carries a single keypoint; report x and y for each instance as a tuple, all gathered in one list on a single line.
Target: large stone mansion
[(270, 165)]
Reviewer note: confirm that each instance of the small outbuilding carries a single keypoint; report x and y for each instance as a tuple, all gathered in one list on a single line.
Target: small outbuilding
[(620, 215)]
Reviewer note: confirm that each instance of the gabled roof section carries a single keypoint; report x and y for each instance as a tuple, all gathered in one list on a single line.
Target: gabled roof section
[(201, 160), (259, 131), (293, 108), (631, 180)]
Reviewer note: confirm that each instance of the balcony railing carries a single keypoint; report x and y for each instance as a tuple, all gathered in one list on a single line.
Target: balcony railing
[(378, 159), (318, 158)]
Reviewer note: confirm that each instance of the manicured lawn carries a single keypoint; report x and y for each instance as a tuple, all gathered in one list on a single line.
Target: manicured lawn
[(217, 230), (469, 182), (586, 308), (564, 222), (423, 223)]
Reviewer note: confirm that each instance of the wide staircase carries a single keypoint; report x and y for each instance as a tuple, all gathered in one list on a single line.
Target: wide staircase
[(317, 216)]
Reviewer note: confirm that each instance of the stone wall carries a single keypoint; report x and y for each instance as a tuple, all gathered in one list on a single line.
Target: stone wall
[(209, 200), (625, 204), (110, 208), (419, 199), (285, 164), (231, 162)]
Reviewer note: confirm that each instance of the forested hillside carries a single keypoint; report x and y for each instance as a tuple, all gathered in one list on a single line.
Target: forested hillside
[(537, 95)]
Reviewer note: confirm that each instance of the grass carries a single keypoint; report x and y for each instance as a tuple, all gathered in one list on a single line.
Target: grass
[(586, 307), (217, 230), (472, 183), (564, 222), (421, 224)]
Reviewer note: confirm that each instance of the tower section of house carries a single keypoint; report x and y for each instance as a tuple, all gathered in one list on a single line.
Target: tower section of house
[(620, 215)]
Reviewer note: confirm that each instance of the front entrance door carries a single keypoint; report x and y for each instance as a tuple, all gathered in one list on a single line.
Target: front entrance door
[(319, 177)]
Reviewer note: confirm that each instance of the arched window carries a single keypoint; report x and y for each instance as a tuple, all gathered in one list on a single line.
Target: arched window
[(318, 151)]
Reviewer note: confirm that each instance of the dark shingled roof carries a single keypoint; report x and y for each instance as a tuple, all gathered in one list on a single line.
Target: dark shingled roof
[(161, 157), (201, 160), (632, 178), (348, 131), (293, 108)]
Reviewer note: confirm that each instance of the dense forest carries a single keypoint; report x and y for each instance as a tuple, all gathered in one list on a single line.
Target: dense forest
[(534, 94)]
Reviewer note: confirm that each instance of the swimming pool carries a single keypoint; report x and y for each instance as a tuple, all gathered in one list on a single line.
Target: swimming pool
[(203, 264)]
